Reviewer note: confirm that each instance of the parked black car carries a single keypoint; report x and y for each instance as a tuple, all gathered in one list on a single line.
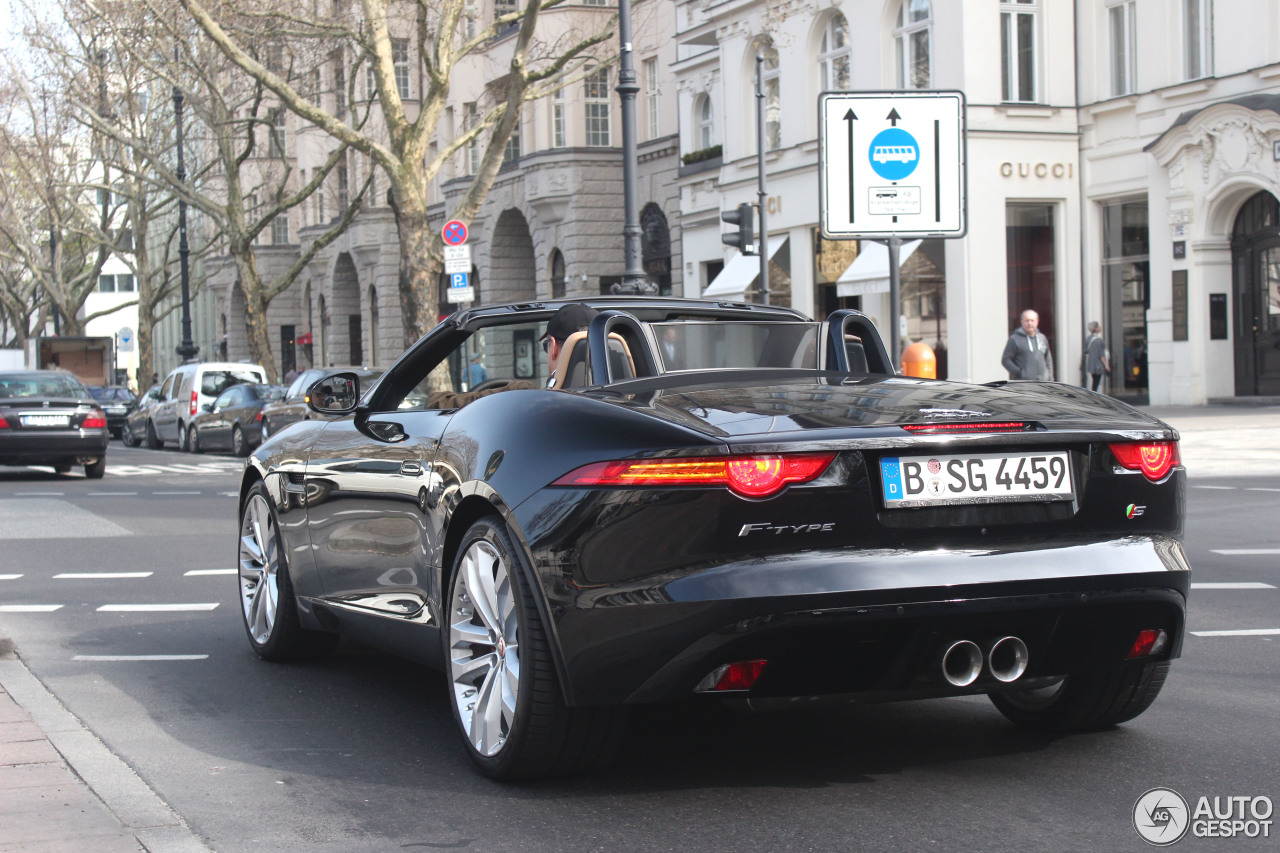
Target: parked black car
[(48, 417), (233, 421), (717, 499), (116, 401), (134, 429), (293, 406)]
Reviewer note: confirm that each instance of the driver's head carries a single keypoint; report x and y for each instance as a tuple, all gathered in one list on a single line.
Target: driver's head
[(573, 317)]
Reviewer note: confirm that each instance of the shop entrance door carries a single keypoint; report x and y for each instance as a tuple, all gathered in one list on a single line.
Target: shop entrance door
[(1255, 254)]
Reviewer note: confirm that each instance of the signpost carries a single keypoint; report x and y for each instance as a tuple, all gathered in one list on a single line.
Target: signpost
[(892, 165), (457, 262)]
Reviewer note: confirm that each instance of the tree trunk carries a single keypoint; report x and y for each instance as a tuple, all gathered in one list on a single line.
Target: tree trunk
[(143, 341), (255, 313), (420, 265)]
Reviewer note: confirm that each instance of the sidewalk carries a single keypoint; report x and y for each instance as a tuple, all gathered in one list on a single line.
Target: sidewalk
[(62, 790), (1225, 441)]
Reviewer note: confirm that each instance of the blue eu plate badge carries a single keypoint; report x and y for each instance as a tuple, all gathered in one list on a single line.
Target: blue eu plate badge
[(891, 474)]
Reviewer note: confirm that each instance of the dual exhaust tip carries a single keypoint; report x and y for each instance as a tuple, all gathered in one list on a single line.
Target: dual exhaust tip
[(1005, 659)]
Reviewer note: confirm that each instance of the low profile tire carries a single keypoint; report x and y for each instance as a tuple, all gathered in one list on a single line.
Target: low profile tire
[(506, 698), (267, 602), (182, 438), (153, 440), (1087, 701), (127, 436), (95, 469), (239, 446), (193, 439)]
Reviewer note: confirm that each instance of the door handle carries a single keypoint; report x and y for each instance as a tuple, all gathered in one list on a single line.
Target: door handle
[(411, 469)]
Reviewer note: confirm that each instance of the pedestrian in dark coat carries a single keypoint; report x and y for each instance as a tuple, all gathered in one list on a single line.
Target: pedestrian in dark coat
[(1027, 354)]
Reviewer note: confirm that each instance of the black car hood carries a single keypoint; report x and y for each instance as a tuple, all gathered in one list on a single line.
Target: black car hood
[(759, 407)]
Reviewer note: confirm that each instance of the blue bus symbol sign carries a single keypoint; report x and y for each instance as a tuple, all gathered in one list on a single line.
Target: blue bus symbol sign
[(894, 154)]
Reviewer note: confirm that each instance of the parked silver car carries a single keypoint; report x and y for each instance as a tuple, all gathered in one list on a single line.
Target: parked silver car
[(186, 390)]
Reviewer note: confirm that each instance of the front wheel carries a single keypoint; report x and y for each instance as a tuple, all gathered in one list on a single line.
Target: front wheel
[(154, 442), (267, 601), (239, 446), (266, 429), (1092, 700), (193, 439), (507, 700), (127, 436)]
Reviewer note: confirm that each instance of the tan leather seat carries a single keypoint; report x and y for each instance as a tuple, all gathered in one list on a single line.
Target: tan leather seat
[(573, 367)]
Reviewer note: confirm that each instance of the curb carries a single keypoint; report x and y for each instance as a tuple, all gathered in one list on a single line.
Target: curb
[(89, 765)]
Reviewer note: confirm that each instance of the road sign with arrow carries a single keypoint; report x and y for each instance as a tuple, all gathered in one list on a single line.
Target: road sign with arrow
[(892, 163)]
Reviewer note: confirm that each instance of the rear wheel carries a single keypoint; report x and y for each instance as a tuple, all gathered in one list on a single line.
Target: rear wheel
[(153, 440), (182, 438), (193, 439), (1092, 700), (95, 469), (507, 700), (267, 602), (239, 446)]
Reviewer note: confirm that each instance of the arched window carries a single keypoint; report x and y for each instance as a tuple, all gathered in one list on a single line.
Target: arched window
[(706, 123), (655, 247), (834, 54), (557, 274), (772, 100), (912, 43)]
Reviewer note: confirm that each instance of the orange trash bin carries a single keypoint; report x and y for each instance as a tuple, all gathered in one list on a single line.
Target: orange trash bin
[(920, 360)]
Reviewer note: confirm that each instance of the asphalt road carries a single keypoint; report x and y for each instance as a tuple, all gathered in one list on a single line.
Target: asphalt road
[(359, 753)]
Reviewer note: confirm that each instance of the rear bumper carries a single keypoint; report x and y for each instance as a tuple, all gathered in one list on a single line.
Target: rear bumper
[(48, 447), (867, 622)]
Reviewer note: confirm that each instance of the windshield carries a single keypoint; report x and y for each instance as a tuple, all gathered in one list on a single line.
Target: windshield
[(40, 385), (699, 345)]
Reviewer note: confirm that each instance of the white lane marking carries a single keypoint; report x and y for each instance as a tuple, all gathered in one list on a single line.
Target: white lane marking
[(153, 608), (29, 608), (40, 494), (175, 493), (138, 657), (228, 494), (1244, 585), (151, 470), (1244, 552), (198, 572), (93, 576), (1260, 489), (9, 577), (111, 494), (1248, 632), (1217, 488)]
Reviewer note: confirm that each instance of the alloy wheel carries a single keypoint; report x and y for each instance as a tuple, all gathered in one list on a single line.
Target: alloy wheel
[(484, 649), (259, 569)]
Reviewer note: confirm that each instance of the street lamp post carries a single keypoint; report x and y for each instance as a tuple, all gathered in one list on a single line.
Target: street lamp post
[(187, 350), (634, 279)]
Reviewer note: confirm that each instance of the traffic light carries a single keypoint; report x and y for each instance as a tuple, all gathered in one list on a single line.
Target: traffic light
[(745, 237)]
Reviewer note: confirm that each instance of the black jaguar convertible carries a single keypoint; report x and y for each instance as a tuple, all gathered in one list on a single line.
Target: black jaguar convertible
[(705, 499)]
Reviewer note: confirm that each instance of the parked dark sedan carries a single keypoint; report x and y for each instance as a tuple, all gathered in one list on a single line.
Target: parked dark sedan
[(134, 429), (48, 417), (233, 421), (716, 500), (116, 401), (293, 406)]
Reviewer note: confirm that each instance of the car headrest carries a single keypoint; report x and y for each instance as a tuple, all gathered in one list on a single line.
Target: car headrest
[(573, 367)]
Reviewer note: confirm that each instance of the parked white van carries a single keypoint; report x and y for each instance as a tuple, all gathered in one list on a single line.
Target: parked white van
[(186, 389)]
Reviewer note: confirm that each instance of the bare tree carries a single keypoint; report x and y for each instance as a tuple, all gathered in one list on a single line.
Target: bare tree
[(373, 34)]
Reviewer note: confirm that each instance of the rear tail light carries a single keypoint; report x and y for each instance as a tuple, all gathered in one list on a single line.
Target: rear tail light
[(95, 420), (1154, 459), (3, 423), (1151, 641), (732, 677), (752, 476), (195, 403), (258, 417)]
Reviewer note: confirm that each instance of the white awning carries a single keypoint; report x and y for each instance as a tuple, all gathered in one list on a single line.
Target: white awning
[(869, 272), (737, 275)]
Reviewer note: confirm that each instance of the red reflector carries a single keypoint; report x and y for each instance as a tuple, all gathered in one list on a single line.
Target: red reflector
[(258, 417), (195, 402), (95, 420), (1153, 459), (3, 423), (994, 426), (1150, 641), (753, 476), (741, 675)]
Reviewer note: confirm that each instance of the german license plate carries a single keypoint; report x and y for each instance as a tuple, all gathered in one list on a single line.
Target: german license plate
[(975, 478), (46, 420)]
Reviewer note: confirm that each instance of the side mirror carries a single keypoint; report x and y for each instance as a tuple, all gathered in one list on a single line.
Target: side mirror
[(207, 407), (334, 395)]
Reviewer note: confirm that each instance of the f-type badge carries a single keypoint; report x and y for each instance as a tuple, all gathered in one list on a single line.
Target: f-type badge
[(1133, 511), (781, 529)]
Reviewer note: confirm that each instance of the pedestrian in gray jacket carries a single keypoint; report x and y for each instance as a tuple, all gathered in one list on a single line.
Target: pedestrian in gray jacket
[(1027, 354), (1097, 360)]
